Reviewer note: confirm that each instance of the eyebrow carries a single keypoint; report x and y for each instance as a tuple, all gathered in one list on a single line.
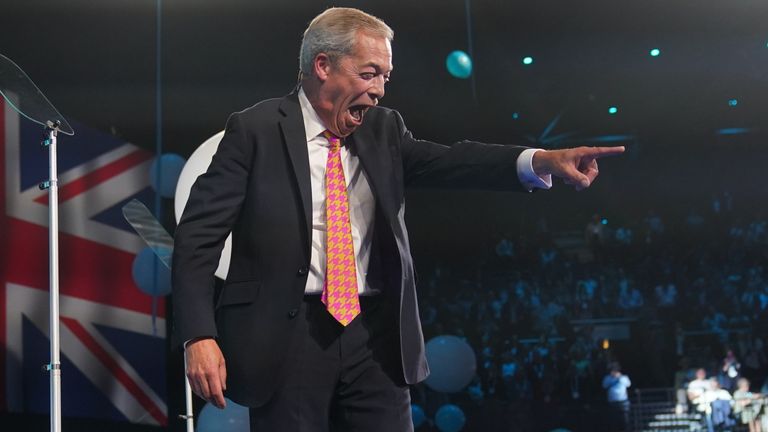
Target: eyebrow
[(376, 66)]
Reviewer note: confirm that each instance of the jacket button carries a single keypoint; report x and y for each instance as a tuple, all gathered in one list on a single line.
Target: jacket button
[(303, 270), (292, 313)]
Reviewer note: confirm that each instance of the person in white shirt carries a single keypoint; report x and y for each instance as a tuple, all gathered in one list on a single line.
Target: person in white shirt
[(616, 384)]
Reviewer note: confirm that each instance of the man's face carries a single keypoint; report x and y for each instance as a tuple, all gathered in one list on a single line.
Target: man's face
[(353, 84)]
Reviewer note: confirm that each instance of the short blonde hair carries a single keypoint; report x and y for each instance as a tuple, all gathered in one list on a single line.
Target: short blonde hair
[(334, 32)]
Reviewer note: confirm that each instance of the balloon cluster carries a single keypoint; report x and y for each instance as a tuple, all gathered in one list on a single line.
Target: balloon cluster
[(452, 365)]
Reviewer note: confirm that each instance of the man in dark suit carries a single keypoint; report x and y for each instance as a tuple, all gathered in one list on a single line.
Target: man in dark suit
[(318, 319)]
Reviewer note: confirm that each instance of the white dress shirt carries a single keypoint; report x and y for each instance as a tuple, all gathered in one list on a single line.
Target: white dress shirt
[(362, 204)]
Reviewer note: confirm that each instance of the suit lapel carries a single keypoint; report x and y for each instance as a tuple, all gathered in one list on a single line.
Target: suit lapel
[(292, 127)]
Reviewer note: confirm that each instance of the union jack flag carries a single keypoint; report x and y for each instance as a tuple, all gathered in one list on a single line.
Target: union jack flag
[(113, 358)]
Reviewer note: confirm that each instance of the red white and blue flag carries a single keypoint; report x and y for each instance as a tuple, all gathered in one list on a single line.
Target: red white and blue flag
[(113, 358)]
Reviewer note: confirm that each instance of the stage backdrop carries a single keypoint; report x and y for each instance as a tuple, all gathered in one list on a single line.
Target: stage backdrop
[(113, 357)]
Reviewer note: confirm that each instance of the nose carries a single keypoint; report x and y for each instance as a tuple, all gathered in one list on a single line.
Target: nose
[(376, 91)]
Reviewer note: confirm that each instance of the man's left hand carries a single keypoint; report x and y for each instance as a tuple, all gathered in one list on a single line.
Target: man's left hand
[(576, 166)]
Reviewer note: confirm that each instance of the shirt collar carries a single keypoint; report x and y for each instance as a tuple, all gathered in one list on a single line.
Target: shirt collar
[(313, 126)]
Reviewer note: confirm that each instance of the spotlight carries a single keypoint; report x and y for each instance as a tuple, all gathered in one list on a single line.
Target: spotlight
[(527, 60), (655, 52), (613, 110)]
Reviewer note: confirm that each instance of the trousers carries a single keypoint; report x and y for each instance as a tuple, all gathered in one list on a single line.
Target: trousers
[(340, 378)]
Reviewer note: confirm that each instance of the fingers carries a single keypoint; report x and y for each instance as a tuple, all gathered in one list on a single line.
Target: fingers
[(589, 170), (573, 177), (216, 394), (223, 375), (587, 164)]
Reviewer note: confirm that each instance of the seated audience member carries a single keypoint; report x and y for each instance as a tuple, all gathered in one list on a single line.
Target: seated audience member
[(747, 405), (697, 387)]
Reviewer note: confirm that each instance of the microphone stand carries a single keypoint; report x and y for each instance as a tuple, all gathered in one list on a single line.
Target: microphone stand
[(54, 367)]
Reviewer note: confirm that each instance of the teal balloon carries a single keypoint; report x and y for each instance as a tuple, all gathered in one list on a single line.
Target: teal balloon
[(164, 181), (450, 418), (452, 364), (151, 276), (417, 415), (459, 64), (233, 418)]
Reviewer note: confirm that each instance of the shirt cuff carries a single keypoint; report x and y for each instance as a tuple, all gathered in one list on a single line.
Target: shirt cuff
[(196, 339), (527, 175)]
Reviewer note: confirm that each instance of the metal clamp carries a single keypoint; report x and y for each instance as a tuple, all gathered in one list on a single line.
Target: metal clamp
[(49, 367), (44, 185), (186, 417)]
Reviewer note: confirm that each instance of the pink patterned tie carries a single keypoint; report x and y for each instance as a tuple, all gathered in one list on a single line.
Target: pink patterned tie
[(340, 290)]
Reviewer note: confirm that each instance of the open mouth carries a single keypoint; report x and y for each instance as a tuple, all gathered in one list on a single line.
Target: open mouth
[(357, 112)]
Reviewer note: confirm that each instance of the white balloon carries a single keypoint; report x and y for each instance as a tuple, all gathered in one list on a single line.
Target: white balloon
[(198, 164)]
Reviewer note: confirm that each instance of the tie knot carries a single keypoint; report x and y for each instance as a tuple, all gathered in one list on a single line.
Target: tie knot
[(333, 140)]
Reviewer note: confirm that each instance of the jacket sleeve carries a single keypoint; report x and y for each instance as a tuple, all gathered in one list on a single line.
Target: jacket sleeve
[(211, 211), (465, 164)]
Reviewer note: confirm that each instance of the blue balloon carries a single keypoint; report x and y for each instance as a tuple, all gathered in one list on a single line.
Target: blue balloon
[(452, 364), (417, 415), (459, 64), (450, 418), (233, 418), (150, 274), (165, 180)]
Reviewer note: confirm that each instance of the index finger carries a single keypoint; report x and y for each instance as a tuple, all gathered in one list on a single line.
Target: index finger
[(216, 393), (598, 152)]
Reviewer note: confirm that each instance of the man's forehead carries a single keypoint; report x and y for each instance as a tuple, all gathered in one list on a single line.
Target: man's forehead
[(373, 51)]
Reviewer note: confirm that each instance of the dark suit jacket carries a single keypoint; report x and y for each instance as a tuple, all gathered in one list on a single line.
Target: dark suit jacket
[(258, 187)]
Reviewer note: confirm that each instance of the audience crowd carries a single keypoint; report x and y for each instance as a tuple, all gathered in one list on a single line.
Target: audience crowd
[(691, 289)]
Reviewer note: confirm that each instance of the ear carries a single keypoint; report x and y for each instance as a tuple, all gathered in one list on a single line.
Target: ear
[(322, 66)]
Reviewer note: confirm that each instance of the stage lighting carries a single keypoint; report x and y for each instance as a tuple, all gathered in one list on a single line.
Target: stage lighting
[(515, 116), (655, 52), (613, 110), (527, 60), (733, 102)]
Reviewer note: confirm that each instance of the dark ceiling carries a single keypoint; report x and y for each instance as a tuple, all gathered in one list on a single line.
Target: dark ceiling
[(96, 60)]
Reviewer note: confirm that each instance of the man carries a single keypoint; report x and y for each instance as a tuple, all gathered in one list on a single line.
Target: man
[(698, 386), (318, 319), (616, 385)]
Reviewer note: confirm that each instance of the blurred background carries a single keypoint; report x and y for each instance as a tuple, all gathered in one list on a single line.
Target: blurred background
[(660, 266)]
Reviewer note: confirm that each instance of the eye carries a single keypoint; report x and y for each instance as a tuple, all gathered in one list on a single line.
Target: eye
[(367, 75)]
